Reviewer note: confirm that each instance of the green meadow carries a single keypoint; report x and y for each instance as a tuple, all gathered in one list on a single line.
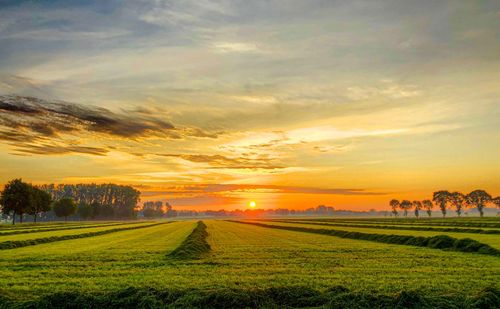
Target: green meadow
[(219, 263)]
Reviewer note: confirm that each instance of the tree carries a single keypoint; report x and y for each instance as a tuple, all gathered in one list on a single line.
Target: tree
[(113, 200), (405, 206), (170, 213), (441, 198), (496, 201), (478, 198), (427, 204), (457, 200), (41, 201), (17, 198), (394, 206), (64, 208), (417, 205), (85, 211)]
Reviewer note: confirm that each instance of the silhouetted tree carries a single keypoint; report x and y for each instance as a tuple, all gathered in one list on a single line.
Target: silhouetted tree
[(394, 206), (64, 208), (441, 198), (496, 201), (41, 201), (17, 198), (121, 199), (417, 205), (85, 211), (428, 205), (457, 200), (170, 211), (478, 198), (405, 206)]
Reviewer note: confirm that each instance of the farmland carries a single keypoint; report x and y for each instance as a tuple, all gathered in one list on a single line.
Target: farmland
[(218, 262)]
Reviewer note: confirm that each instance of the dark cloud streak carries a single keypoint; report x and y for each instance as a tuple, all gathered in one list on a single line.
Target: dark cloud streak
[(26, 122)]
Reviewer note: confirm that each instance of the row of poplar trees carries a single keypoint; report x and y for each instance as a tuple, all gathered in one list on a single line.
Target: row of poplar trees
[(87, 200)]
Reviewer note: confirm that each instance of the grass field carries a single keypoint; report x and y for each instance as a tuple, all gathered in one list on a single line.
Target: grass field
[(240, 264), (490, 239)]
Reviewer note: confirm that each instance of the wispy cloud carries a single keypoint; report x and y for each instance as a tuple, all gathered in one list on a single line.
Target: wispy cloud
[(220, 161), (228, 188), (236, 47)]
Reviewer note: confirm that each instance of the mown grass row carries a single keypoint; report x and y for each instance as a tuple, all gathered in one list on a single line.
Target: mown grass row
[(395, 227), (194, 246), (435, 242), (13, 244), (63, 228), (458, 223), (31, 225), (276, 297)]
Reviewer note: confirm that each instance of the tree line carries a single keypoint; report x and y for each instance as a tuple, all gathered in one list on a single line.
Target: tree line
[(443, 200), (156, 209), (88, 201)]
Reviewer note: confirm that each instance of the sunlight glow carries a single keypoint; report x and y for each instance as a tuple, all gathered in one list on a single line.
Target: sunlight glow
[(252, 204)]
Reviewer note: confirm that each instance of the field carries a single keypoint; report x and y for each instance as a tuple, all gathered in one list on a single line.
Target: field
[(222, 263)]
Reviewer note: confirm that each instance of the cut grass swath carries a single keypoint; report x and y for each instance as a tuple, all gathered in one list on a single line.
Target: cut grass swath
[(194, 246), (13, 244), (414, 222), (398, 227), (24, 231), (436, 242), (275, 297)]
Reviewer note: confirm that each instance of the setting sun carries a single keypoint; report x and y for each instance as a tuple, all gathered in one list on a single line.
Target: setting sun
[(252, 204)]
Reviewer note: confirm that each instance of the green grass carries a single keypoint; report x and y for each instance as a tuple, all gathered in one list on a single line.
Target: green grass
[(62, 232), (33, 242), (486, 222), (58, 228), (41, 225), (443, 242), (247, 265), (492, 240), (397, 227), (194, 246)]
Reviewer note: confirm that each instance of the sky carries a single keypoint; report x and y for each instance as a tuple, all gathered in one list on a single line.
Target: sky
[(291, 104)]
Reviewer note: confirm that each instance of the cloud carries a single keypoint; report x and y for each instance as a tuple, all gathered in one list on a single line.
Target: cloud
[(235, 47), (220, 161), (31, 120), (388, 89), (58, 150), (50, 118), (300, 136), (228, 188)]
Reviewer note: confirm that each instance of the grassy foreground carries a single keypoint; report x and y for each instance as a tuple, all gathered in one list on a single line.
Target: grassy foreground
[(247, 266)]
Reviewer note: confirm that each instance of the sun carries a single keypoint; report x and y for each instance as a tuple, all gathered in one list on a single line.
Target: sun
[(252, 204)]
